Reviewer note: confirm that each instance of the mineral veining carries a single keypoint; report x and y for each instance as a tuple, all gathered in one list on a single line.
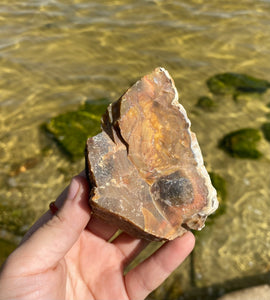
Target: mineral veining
[(145, 168)]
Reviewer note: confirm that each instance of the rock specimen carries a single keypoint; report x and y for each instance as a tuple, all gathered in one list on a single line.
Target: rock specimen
[(145, 168), (242, 143), (235, 84)]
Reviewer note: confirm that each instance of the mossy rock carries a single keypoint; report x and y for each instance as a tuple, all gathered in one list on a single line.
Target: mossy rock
[(235, 84), (266, 131), (220, 185), (242, 143), (206, 103), (72, 129), (95, 107)]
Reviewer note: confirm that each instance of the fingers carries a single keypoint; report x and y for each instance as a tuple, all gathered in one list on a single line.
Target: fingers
[(147, 276), (129, 246), (49, 243)]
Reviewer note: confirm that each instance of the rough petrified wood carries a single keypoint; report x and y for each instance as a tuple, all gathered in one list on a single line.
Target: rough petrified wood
[(145, 168)]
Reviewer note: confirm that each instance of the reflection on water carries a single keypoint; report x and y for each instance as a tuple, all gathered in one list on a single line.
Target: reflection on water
[(55, 54)]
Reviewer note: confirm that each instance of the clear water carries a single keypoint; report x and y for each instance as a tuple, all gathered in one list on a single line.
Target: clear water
[(56, 54)]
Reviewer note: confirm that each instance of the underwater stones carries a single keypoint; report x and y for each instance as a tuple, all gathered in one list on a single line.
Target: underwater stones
[(242, 143), (266, 131), (235, 84), (206, 103), (220, 185), (71, 129), (145, 168)]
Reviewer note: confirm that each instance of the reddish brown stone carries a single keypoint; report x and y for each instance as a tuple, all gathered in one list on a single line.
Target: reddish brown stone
[(145, 168)]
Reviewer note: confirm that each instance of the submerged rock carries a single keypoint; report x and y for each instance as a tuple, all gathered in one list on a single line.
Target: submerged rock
[(220, 185), (235, 84), (242, 143), (71, 129), (145, 168), (206, 103), (266, 131)]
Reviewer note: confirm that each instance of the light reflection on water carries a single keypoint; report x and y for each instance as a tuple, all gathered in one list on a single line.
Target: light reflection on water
[(54, 55)]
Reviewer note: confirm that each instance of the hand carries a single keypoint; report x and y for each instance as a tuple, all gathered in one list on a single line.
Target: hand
[(68, 256)]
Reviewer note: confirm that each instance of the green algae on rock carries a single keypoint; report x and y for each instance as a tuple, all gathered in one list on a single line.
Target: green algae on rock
[(242, 143), (206, 103), (220, 185), (72, 129), (235, 84), (95, 107), (266, 130)]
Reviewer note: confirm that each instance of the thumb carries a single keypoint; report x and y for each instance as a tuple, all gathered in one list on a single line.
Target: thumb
[(49, 243)]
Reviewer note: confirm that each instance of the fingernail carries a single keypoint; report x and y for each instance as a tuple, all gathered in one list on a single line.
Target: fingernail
[(73, 188)]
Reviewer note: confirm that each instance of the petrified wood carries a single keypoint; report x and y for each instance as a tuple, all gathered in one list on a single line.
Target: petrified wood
[(145, 168)]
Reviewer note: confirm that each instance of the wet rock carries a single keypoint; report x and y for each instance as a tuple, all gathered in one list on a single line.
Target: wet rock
[(266, 131), (145, 168), (242, 143), (95, 107), (220, 185), (71, 129), (235, 84), (206, 103)]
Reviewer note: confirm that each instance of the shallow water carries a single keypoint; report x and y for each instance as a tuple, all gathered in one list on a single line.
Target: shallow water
[(56, 54)]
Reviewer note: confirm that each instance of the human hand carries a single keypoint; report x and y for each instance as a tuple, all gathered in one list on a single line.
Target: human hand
[(68, 256)]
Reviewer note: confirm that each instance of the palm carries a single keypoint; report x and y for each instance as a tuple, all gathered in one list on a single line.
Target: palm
[(99, 269), (92, 268)]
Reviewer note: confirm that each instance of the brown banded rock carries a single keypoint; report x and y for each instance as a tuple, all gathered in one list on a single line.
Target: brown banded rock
[(145, 168)]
